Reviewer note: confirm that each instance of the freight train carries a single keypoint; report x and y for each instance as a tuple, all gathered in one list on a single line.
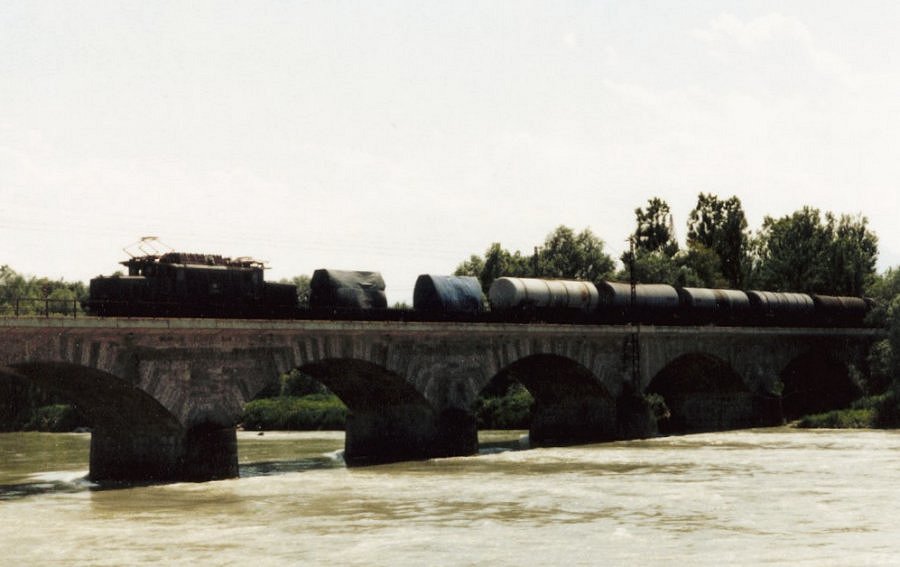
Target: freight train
[(176, 284)]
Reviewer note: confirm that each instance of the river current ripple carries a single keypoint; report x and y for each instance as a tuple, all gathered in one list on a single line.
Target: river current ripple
[(766, 496)]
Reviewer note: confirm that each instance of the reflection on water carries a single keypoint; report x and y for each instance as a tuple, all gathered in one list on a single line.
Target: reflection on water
[(261, 454), (777, 496)]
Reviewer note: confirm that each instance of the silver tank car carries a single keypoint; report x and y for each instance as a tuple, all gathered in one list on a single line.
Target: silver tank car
[(647, 296), (512, 293)]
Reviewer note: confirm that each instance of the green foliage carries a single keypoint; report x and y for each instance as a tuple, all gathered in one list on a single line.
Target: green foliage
[(509, 411), (497, 262), (564, 254), (293, 383), (702, 267), (573, 256), (55, 418), (882, 411), (695, 267), (29, 295), (303, 287), (657, 405), (652, 254), (296, 383), (881, 367), (839, 419), (801, 252), (24, 407), (646, 266), (887, 408), (884, 356), (307, 413), (883, 289), (655, 231), (721, 227)]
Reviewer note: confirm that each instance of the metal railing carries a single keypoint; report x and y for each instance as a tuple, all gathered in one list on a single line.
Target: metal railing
[(41, 307)]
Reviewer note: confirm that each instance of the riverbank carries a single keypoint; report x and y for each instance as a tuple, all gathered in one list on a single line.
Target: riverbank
[(870, 412), (326, 412)]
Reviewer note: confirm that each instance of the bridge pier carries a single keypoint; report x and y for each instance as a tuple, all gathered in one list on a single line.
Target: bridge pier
[(202, 453), (407, 432), (573, 419)]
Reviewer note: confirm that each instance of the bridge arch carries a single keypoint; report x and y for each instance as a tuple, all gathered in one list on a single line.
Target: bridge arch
[(133, 436), (702, 392), (388, 418), (570, 404), (106, 400), (815, 382), (363, 385)]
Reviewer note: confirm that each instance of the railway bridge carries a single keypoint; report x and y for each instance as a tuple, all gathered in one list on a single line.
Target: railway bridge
[(165, 395)]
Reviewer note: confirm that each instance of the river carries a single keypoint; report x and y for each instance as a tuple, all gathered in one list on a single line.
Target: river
[(778, 496)]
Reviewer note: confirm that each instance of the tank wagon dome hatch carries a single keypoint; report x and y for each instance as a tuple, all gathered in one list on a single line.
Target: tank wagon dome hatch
[(347, 289), (449, 294), (510, 293)]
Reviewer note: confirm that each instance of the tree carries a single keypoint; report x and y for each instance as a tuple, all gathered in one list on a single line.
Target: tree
[(802, 253), (701, 267), (573, 256), (884, 357), (564, 254), (655, 231), (497, 262), (650, 257), (853, 252), (721, 226), (32, 295)]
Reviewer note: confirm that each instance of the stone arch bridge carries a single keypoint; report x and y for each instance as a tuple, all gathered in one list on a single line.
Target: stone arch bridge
[(165, 395)]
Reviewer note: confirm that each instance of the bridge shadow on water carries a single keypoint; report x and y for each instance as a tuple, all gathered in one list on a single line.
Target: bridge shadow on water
[(63, 482), (76, 481)]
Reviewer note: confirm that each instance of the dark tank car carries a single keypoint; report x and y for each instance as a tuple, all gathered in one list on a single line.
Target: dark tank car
[(178, 284)]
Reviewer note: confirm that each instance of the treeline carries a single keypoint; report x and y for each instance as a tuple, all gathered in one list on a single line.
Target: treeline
[(806, 251), (24, 406), (30, 295)]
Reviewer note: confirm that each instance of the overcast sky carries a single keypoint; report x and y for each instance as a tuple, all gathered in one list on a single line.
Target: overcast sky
[(405, 136)]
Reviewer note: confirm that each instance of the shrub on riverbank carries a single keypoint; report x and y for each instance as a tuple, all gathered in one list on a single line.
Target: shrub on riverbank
[(870, 412), (839, 419), (56, 418), (307, 413), (509, 411)]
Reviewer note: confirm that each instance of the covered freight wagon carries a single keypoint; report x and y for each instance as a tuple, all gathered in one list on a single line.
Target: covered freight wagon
[(345, 289)]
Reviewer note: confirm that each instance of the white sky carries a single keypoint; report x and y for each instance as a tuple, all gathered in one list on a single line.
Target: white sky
[(403, 136)]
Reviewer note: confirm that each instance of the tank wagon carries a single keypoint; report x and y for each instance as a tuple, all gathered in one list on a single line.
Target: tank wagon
[(449, 295), (661, 304), (532, 293)]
